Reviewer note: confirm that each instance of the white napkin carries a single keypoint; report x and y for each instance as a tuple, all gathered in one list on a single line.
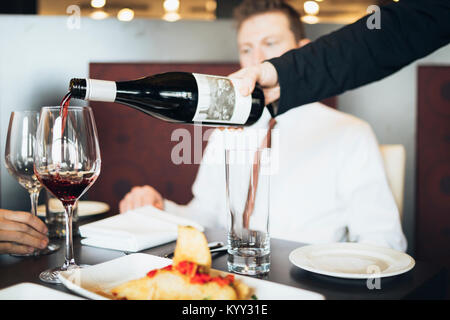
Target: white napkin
[(134, 230)]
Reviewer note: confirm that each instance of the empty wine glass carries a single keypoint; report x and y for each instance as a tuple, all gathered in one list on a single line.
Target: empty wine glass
[(19, 160), (67, 163)]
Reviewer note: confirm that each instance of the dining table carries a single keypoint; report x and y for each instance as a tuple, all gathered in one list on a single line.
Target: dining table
[(425, 281)]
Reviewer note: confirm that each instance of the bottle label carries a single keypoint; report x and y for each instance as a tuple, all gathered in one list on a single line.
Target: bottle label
[(220, 101)]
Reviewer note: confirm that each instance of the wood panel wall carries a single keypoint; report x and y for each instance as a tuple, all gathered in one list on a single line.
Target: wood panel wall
[(433, 164)]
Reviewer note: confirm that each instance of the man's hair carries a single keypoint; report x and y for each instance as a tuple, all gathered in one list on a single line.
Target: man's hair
[(250, 8)]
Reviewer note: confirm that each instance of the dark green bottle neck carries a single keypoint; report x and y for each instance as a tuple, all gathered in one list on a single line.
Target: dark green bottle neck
[(77, 88)]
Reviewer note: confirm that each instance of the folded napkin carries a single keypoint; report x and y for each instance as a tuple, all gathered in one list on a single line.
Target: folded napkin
[(134, 230)]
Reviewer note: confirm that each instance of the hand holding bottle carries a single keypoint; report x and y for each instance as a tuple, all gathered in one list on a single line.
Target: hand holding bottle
[(139, 197), (265, 75)]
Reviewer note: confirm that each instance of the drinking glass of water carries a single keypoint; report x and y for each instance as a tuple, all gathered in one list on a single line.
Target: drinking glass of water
[(247, 190)]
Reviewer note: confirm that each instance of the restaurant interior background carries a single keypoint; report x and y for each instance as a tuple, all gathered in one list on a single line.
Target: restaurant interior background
[(44, 44)]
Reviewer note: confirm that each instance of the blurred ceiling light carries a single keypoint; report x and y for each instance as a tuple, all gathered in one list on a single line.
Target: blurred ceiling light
[(125, 14), (98, 3), (211, 5), (171, 5), (310, 19), (311, 7), (171, 16), (99, 15)]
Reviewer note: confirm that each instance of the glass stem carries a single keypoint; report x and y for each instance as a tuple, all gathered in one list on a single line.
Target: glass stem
[(34, 196), (70, 260)]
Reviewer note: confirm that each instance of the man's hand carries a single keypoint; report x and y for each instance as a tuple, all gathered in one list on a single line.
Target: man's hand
[(265, 75), (139, 197), (21, 232)]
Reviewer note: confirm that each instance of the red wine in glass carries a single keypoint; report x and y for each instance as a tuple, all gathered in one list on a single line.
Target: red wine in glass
[(67, 190)]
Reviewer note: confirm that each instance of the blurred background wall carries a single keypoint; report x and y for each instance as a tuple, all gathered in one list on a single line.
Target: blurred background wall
[(39, 54)]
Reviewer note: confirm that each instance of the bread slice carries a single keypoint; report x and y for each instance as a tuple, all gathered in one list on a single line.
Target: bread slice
[(192, 246)]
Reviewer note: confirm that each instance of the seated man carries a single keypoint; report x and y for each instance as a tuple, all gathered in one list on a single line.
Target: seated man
[(21, 232), (330, 185)]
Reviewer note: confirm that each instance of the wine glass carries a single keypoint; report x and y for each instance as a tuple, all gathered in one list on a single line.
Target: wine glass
[(67, 163), (19, 160)]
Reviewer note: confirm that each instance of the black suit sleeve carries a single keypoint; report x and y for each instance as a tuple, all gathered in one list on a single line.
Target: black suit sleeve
[(356, 55)]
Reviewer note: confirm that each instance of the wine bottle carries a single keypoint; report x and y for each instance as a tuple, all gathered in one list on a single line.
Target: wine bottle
[(178, 97)]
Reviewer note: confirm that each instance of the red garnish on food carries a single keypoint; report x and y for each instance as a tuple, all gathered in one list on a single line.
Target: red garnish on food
[(191, 270), (168, 268), (152, 273), (201, 278), (187, 268), (223, 281)]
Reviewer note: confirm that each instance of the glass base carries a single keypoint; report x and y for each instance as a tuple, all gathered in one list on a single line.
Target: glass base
[(52, 247), (248, 264), (249, 270), (52, 275)]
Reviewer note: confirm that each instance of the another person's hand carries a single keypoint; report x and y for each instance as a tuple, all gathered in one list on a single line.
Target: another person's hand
[(265, 75), (139, 197), (21, 232)]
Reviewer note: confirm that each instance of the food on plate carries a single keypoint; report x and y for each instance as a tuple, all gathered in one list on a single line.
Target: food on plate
[(190, 277)]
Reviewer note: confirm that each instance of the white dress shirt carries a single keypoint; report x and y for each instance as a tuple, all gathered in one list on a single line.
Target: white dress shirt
[(329, 186)]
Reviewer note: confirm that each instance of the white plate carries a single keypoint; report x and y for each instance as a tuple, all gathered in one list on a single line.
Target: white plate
[(90, 281), (85, 208), (351, 260), (31, 291)]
